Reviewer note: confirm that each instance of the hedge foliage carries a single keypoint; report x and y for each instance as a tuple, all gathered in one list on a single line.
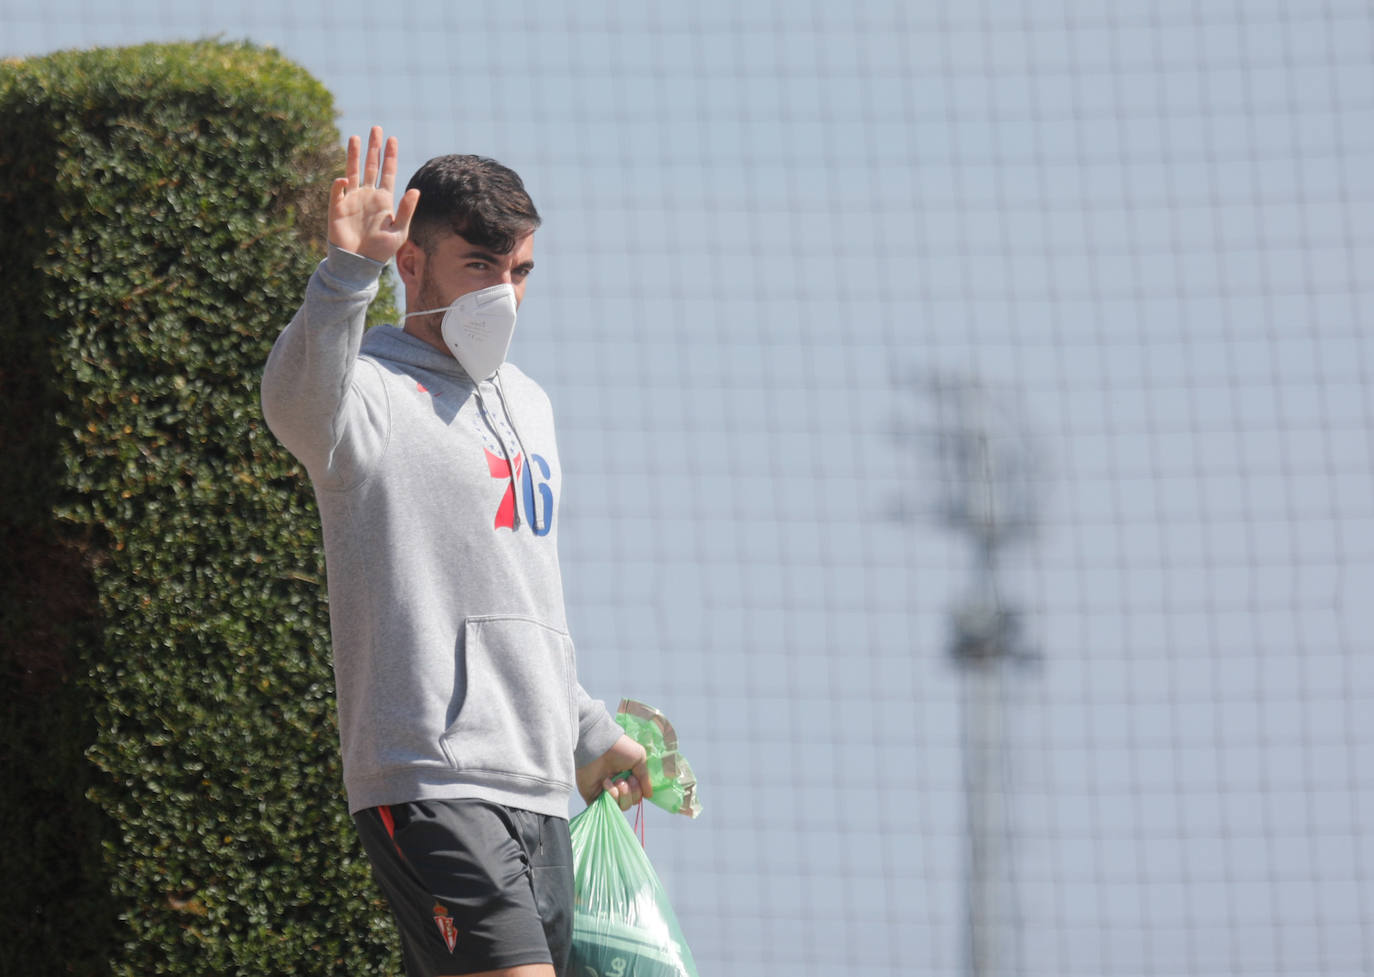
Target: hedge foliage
[(167, 743)]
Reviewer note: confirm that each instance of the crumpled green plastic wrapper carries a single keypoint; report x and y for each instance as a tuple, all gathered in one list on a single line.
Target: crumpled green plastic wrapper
[(670, 775), (623, 924)]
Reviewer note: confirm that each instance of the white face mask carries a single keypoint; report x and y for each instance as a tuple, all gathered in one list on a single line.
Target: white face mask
[(478, 327)]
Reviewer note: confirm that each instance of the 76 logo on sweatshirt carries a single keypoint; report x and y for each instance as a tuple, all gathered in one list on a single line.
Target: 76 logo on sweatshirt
[(505, 512)]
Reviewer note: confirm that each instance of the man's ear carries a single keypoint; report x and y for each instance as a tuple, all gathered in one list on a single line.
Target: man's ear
[(410, 264)]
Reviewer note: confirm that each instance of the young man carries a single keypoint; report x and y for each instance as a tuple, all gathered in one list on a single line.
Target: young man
[(463, 727)]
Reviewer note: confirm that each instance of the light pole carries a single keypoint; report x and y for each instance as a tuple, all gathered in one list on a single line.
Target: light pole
[(986, 494)]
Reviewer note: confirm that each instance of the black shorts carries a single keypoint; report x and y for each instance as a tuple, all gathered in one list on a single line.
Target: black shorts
[(474, 886)]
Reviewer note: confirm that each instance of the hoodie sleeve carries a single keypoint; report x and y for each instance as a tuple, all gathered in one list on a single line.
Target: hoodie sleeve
[(308, 395), (597, 732)]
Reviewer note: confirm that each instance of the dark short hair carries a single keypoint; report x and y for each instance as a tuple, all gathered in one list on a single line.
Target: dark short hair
[(476, 198)]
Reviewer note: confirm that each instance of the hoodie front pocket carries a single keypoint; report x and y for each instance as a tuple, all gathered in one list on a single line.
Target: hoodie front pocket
[(515, 708)]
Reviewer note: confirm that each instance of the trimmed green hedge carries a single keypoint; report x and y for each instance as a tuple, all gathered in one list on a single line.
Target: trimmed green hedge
[(172, 801)]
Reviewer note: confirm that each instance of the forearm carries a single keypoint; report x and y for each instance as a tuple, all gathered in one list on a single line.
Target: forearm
[(597, 731), (310, 369)]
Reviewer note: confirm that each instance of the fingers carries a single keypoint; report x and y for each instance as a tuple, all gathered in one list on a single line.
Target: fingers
[(401, 222), (372, 164), (620, 793), (380, 161), (351, 166), (623, 769), (627, 793), (389, 159)]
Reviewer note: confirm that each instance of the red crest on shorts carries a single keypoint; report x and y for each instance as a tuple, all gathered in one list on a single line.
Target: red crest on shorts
[(446, 928)]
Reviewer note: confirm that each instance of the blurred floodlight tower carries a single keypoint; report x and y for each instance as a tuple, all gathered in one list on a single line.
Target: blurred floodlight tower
[(986, 491)]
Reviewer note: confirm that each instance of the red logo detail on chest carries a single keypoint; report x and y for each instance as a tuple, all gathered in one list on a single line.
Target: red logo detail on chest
[(500, 468)]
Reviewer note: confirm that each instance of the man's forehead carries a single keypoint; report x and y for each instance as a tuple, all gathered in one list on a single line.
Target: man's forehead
[(454, 243)]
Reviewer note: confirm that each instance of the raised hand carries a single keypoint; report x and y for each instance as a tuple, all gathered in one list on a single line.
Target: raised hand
[(361, 215)]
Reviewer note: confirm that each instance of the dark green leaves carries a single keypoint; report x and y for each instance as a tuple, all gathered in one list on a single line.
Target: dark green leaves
[(168, 716)]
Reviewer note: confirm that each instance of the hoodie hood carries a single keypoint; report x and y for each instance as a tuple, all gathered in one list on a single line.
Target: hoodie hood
[(394, 345)]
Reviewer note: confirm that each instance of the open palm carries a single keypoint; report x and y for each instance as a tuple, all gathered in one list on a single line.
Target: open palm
[(363, 217)]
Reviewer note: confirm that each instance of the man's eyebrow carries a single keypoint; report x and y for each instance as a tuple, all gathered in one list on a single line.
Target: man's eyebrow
[(491, 259)]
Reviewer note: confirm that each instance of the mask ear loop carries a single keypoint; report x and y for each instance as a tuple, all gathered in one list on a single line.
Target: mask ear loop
[(412, 315)]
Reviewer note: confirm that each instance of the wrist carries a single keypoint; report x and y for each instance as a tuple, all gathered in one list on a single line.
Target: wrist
[(352, 268)]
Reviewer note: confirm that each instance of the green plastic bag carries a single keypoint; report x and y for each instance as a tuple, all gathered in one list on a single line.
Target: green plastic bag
[(623, 925)]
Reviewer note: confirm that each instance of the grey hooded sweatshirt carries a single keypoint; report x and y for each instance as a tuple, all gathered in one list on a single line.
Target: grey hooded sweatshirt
[(455, 674)]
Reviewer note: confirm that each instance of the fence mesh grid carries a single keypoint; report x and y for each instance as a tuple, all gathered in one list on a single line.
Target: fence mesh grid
[(862, 319)]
